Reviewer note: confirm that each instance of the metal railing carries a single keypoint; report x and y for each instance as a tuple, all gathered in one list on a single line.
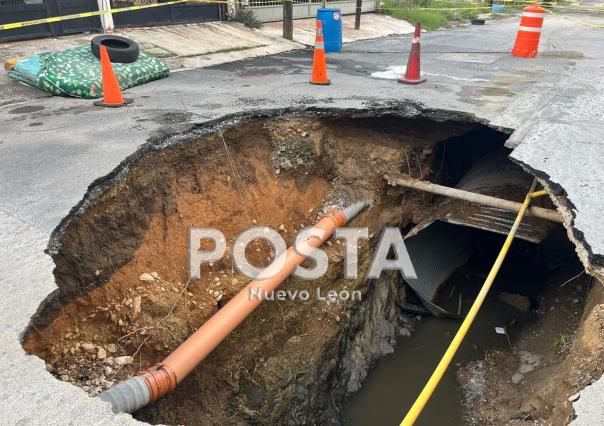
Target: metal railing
[(262, 3), (272, 10)]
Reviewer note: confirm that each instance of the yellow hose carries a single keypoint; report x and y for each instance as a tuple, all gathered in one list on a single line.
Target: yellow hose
[(438, 373)]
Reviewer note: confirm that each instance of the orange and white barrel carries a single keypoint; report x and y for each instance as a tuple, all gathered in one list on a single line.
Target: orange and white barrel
[(529, 32)]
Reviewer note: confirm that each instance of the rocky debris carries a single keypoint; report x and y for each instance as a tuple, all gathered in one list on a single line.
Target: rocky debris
[(528, 361), (518, 301), (101, 354), (529, 407), (473, 384), (216, 294), (145, 277), (120, 361), (88, 347), (90, 371), (136, 307), (336, 198), (517, 378), (291, 152)]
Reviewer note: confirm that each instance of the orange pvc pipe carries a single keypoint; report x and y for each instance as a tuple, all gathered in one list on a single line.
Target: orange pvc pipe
[(163, 378)]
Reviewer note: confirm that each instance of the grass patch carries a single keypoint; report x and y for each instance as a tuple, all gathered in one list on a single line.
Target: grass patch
[(423, 11)]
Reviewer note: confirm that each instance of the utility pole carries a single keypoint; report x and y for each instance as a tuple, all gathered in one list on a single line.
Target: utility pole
[(288, 19), (107, 18), (357, 17)]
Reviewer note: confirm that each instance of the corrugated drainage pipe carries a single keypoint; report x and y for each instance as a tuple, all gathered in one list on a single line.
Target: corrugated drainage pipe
[(138, 391)]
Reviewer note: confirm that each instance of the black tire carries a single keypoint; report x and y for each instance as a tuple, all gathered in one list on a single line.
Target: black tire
[(120, 49)]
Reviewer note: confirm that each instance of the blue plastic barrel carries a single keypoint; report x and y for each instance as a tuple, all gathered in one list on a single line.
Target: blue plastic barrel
[(332, 28), (497, 8)]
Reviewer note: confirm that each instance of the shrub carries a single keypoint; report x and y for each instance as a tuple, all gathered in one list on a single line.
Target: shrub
[(247, 17), (411, 11)]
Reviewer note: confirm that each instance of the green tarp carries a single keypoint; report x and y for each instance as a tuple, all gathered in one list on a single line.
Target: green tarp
[(77, 72)]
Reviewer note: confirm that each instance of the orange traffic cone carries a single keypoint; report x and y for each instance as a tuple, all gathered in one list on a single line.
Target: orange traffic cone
[(529, 32), (112, 94), (319, 68), (412, 74)]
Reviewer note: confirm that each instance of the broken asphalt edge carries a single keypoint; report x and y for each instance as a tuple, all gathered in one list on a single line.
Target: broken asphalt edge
[(593, 262), (190, 131)]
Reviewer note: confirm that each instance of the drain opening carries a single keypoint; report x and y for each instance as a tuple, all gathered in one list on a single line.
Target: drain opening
[(121, 265), (489, 382)]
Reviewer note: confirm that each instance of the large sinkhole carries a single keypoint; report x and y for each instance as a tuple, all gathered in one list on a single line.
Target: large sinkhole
[(125, 302)]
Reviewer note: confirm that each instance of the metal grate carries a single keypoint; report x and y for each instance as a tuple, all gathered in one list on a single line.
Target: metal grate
[(260, 3)]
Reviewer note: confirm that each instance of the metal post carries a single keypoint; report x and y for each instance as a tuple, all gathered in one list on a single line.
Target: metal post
[(107, 18), (288, 19), (357, 18)]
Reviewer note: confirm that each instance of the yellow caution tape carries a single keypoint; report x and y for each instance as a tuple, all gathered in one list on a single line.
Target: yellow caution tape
[(575, 20), (111, 11), (84, 15), (436, 8), (512, 3), (148, 6)]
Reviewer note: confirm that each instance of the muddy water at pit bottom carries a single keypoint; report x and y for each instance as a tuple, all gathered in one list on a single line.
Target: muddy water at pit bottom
[(396, 380)]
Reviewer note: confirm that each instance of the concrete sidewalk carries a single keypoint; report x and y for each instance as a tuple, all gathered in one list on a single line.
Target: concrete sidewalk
[(213, 43), (180, 46), (372, 26)]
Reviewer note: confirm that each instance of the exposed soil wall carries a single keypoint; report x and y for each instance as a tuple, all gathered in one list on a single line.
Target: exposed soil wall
[(290, 361)]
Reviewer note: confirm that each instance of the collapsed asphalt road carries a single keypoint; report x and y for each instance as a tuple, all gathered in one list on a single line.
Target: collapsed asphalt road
[(52, 149)]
